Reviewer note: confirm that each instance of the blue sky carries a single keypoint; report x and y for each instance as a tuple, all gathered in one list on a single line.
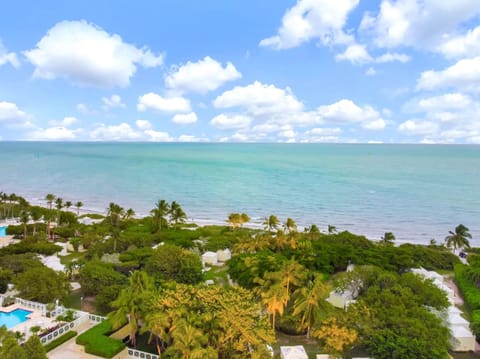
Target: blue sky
[(402, 71)]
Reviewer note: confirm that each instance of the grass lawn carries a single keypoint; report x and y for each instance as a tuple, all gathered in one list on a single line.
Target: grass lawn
[(70, 257)]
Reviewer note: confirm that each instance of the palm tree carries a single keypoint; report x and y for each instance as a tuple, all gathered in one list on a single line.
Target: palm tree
[(59, 206), (177, 215), (129, 214), (24, 218), (68, 204), (131, 303), (458, 239), (309, 302), (290, 273), (49, 198), (332, 229), (115, 212), (36, 215), (274, 300), (388, 238), (78, 205), (159, 212), (234, 219), (290, 225), (187, 341), (271, 222)]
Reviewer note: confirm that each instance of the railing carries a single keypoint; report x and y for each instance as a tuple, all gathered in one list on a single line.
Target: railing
[(134, 353), (96, 318), (47, 338), (32, 305)]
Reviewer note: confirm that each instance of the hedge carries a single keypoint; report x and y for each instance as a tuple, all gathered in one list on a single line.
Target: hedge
[(470, 292), (96, 341), (60, 340)]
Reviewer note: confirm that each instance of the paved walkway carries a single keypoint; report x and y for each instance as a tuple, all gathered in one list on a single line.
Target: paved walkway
[(71, 350)]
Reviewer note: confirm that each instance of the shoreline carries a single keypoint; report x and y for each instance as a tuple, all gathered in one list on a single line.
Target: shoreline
[(256, 222)]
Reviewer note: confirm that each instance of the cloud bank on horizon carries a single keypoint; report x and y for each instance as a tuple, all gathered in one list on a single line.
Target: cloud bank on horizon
[(393, 71)]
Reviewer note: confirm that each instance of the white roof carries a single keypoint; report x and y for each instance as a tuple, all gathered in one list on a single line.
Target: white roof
[(293, 352), (459, 331), (455, 318), (454, 309), (209, 254)]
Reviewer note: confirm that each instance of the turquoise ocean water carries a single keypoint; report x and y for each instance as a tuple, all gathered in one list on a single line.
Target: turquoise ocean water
[(417, 192)]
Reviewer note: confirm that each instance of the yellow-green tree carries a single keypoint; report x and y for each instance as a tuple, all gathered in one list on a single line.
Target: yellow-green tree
[(334, 337)]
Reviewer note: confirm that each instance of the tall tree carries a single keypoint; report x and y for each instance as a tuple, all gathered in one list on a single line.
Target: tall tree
[(271, 222), (49, 198), (177, 215), (310, 304), (79, 205), (388, 238), (290, 225), (36, 214), (459, 238), (132, 303), (159, 213), (24, 218)]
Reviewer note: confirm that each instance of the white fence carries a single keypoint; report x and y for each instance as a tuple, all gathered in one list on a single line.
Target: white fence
[(32, 305), (133, 353), (47, 338)]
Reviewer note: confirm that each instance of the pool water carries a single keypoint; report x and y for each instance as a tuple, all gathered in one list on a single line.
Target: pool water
[(14, 317), (3, 231)]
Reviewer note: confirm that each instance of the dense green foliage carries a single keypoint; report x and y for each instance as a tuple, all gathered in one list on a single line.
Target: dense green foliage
[(169, 262), (60, 340), (27, 246), (97, 342), (42, 284)]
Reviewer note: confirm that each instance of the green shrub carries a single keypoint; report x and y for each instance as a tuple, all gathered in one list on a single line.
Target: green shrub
[(470, 292), (60, 340), (96, 341)]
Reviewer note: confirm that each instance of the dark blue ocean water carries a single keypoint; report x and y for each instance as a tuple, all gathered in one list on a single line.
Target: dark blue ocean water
[(419, 192)]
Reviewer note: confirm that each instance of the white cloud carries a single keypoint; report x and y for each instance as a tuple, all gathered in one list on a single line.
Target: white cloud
[(66, 122), (371, 71), (8, 57), (356, 54), (10, 113), (202, 76), (185, 119), (56, 133), (158, 136), (445, 102), (83, 109), (114, 101), (191, 138), (313, 19), (156, 102), (346, 111), (259, 99), (418, 128), (417, 23), (87, 55), (465, 74), (143, 124), (324, 131), (119, 132), (230, 122), (391, 57), (465, 45)]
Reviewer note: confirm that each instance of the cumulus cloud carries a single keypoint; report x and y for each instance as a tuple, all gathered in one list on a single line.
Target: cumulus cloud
[(87, 55), (8, 57), (66, 122), (356, 54), (417, 23), (191, 138), (10, 113), (201, 76), (153, 101), (185, 119), (346, 111), (464, 45), (230, 122), (158, 136), (465, 74), (114, 101), (391, 57), (119, 132), (143, 124), (313, 19), (259, 99), (55, 133), (418, 128)]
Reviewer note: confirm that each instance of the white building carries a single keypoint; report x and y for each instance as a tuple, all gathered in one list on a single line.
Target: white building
[(224, 255), (293, 352), (210, 258)]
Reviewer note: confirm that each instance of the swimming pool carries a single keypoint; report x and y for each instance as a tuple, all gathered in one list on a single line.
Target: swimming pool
[(13, 318), (3, 231)]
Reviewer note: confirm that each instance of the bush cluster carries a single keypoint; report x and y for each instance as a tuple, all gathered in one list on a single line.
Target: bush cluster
[(97, 342)]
